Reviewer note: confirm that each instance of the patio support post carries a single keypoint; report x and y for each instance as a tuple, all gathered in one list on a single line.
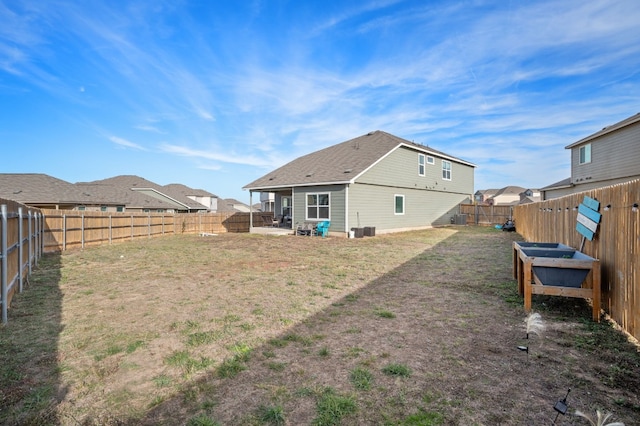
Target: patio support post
[(250, 210)]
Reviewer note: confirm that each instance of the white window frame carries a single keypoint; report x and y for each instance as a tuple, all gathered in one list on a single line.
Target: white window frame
[(446, 171), (395, 204), (317, 206), (431, 160), (584, 154), (422, 164)]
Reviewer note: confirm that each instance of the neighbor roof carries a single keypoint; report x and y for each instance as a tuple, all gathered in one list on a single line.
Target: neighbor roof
[(171, 199), (341, 163), (38, 188), (619, 125)]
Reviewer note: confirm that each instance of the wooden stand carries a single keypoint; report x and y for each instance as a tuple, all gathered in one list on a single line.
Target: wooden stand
[(590, 287)]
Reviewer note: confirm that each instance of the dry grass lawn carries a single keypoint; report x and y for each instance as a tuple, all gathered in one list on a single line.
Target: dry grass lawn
[(418, 328)]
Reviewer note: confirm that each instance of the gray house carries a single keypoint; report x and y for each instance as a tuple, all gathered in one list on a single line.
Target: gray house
[(607, 157), (375, 180)]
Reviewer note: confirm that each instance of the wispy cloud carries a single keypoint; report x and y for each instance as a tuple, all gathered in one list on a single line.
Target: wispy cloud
[(125, 143), (216, 154)]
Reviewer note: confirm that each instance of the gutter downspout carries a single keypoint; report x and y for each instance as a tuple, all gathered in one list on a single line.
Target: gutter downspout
[(346, 209)]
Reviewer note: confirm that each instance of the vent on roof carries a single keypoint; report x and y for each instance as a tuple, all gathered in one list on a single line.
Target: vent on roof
[(370, 133), (18, 191), (309, 174), (348, 171)]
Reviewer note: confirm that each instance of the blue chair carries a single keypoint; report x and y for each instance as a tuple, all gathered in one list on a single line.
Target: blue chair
[(322, 228)]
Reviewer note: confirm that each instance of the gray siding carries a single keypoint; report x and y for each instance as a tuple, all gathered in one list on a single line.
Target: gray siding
[(371, 205), (400, 169), (429, 200), (337, 205), (613, 156)]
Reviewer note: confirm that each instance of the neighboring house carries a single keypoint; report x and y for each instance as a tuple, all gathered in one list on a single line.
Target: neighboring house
[(482, 196), (607, 157), (172, 197), (375, 180), (44, 191), (509, 195), (267, 201), (233, 205), (529, 196), (207, 199), (119, 194)]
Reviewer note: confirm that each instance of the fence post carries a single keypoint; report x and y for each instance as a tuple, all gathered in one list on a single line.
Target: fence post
[(131, 227), (20, 255), (30, 246), (3, 254), (149, 225), (64, 232), (82, 231), (110, 229)]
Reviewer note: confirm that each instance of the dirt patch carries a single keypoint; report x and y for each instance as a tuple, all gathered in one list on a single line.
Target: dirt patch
[(412, 328)]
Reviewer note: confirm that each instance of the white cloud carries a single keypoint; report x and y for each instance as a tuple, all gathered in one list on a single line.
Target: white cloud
[(125, 143)]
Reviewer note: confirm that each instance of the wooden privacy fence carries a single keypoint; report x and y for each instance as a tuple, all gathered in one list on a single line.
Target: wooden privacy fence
[(20, 248), (616, 245), (67, 229), (480, 214)]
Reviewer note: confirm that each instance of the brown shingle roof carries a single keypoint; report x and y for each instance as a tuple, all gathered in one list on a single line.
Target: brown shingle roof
[(39, 188), (151, 190), (340, 163)]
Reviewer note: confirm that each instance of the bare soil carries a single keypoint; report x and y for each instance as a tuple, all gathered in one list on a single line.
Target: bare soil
[(229, 328)]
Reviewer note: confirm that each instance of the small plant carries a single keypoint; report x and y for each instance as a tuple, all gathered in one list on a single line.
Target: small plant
[(277, 366), (600, 420), (423, 418), (382, 313), (230, 368), (397, 370), (331, 408), (361, 378), (273, 415), (534, 324), (324, 351), (202, 420), (162, 380)]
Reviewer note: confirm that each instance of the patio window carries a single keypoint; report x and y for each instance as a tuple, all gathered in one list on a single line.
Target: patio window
[(318, 206), (446, 170), (585, 154), (399, 204), (421, 163)]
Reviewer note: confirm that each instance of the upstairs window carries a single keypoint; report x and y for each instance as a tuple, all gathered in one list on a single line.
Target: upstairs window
[(431, 160), (318, 206), (446, 170), (585, 154), (421, 163)]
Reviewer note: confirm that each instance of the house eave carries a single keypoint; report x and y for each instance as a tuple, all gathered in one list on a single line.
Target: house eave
[(272, 188), (609, 129)]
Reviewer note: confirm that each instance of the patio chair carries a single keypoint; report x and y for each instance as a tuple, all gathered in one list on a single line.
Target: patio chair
[(269, 221), (305, 228), (322, 228)]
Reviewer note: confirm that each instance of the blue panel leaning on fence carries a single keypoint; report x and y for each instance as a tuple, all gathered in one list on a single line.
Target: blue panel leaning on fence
[(588, 219)]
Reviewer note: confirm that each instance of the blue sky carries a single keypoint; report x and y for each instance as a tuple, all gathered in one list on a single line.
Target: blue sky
[(214, 94)]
